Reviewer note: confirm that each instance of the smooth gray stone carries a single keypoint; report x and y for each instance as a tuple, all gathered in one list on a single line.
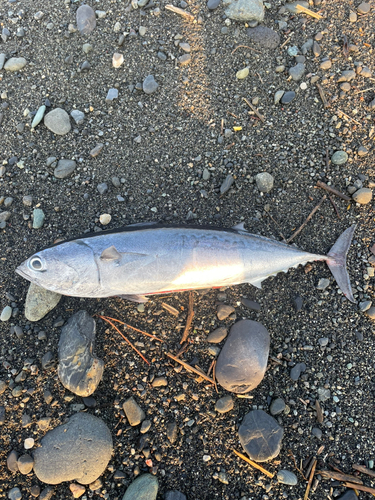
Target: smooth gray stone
[(149, 85), (245, 10), (297, 71), (213, 4), (217, 335), (86, 19), (39, 302), (145, 487), (78, 116), (296, 371), (288, 97), (287, 477), (2, 60), (277, 406), (64, 168), (25, 464), (348, 495), (57, 121), (79, 370), (112, 94), (226, 184), (133, 412), (39, 116), (264, 182), (12, 459), (317, 432), (264, 37), (14, 494), (307, 46), (76, 451), (224, 404), (38, 218), (172, 431), (347, 76), (260, 436), (47, 493), (250, 304), (175, 495), (15, 64), (339, 157), (242, 362)]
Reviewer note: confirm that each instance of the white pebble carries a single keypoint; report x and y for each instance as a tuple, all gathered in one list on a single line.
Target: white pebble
[(105, 219), (29, 443), (117, 60), (303, 86), (6, 313)]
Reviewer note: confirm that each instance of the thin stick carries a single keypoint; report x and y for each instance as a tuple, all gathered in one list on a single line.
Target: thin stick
[(132, 327), (253, 464), (322, 95), (349, 117), (189, 318), (261, 117), (365, 470), (295, 464), (123, 336), (332, 190), (189, 367), (310, 480), (214, 376), (179, 11), (278, 226), (286, 41), (300, 8), (334, 206), (210, 368), (319, 413), (245, 47), (360, 487), (307, 220), (362, 91), (328, 474)]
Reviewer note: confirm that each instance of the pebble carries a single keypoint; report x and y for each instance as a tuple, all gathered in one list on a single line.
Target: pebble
[(260, 436), (105, 219), (172, 431), (213, 4), (57, 121), (102, 188), (316, 432), (352, 17), (363, 8), (87, 48), (78, 450), (296, 371), (12, 461), (85, 66), (371, 313), (297, 72), (77, 490), (111, 95), (145, 427), (6, 313), (29, 443), (280, 69), (174, 495), (292, 6), (339, 157), (15, 64), (47, 493), (14, 494), (264, 182), (245, 10), (224, 310), (293, 51), (78, 116), (297, 303), (348, 495), (145, 487), (288, 97), (25, 464), (250, 304), (345, 87), (96, 150), (362, 151), (316, 49), (278, 95), (38, 218), (366, 72), (224, 404), (242, 73), (307, 46), (242, 362), (39, 302), (3, 386), (323, 283), (149, 85), (142, 30), (217, 335), (86, 19), (365, 305), (347, 76), (226, 184), (326, 64), (277, 406), (64, 168), (39, 116), (287, 477), (79, 370), (117, 60), (159, 382), (35, 490), (2, 60), (133, 412), (264, 37), (184, 60)]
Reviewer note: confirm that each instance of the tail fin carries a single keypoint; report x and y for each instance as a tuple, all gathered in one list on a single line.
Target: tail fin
[(337, 262)]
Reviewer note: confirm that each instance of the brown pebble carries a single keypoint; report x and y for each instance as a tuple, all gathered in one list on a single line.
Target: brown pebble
[(94, 152), (223, 311), (364, 8), (362, 196)]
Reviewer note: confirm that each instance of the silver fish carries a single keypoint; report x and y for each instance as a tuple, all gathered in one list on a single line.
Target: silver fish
[(143, 260)]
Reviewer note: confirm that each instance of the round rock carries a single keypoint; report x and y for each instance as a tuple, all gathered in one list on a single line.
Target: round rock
[(25, 464), (6, 313), (64, 168), (287, 477), (86, 19), (339, 158), (245, 10), (57, 121), (260, 436), (224, 404), (264, 37), (145, 487), (133, 412), (39, 302), (217, 335), (264, 182), (242, 362), (15, 64), (362, 196), (288, 97), (213, 4), (76, 451), (150, 85), (277, 406)]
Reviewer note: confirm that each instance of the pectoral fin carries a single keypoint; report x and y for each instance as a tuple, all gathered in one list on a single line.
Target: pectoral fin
[(257, 282), (239, 227), (110, 253)]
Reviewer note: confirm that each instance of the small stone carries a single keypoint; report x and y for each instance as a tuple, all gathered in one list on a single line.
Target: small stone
[(363, 8), (87, 48), (14, 494), (260, 436), (264, 182), (43, 423), (6, 313), (86, 19), (347, 76), (365, 305), (35, 491), (77, 490), (145, 487), (38, 218), (29, 443), (47, 493), (117, 60), (78, 116), (287, 477), (226, 184), (39, 116), (217, 335), (86, 66), (25, 464), (175, 495), (161, 56), (149, 85), (213, 4), (288, 97), (348, 495), (297, 303), (362, 196), (316, 49), (15, 64), (242, 73), (243, 10), (102, 188), (224, 404), (339, 158), (316, 432), (185, 47), (326, 64), (145, 427), (279, 69), (133, 412), (362, 151), (277, 406), (371, 313), (97, 149), (293, 51), (345, 87), (264, 37), (64, 168), (250, 304), (105, 219), (159, 382), (184, 60), (57, 121), (142, 30), (307, 46), (39, 302), (366, 72), (224, 310), (111, 95), (172, 431), (278, 95), (296, 371), (2, 60)]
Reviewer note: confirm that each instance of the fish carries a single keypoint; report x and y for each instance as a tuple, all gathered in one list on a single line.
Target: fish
[(146, 259)]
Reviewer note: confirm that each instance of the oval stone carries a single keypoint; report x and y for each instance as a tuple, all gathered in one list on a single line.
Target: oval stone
[(339, 158), (86, 19), (57, 121), (145, 487), (243, 360)]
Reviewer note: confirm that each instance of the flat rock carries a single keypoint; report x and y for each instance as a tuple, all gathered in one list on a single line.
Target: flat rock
[(348, 495), (264, 37), (133, 412), (64, 168), (250, 304), (2, 60), (242, 362), (217, 335), (224, 310), (86, 19), (79, 370), (25, 464), (39, 302), (288, 97), (297, 71), (287, 477), (57, 121), (149, 85), (213, 4), (245, 10), (260, 436), (145, 487), (15, 64), (224, 404), (277, 406), (296, 371), (226, 184), (362, 196), (78, 116), (76, 451)]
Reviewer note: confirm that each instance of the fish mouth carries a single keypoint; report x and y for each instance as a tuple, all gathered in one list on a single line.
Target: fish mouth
[(21, 272)]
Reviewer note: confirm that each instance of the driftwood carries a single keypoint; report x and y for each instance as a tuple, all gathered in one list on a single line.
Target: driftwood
[(364, 470), (254, 464), (329, 474), (332, 190)]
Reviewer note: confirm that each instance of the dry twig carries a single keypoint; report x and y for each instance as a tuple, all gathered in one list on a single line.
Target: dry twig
[(319, 413), (285, 42), (348, 117), (132, 327), (295, 464), (309, 12), (253, 464), (261, 117), (189, 367), (245, 47), (329, 474), (179, 11), (362, 91), (365, 470), (172, 310), (332, 190), (307, 220), (360, 487), (189, 318), (322, 95), (310, 479), (334, 206)]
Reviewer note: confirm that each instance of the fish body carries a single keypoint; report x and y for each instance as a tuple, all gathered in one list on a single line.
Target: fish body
[(145, 260)]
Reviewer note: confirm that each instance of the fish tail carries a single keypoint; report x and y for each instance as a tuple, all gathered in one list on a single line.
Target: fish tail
[(336, 261)]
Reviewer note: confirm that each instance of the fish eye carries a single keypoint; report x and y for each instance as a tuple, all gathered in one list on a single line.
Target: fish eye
[(36, 264)]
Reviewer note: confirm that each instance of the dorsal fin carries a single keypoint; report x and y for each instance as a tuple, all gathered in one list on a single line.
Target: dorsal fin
[(110, 253), (239, 227)]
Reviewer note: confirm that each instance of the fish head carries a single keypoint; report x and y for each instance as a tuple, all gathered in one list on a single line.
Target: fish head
[(68, 268)]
